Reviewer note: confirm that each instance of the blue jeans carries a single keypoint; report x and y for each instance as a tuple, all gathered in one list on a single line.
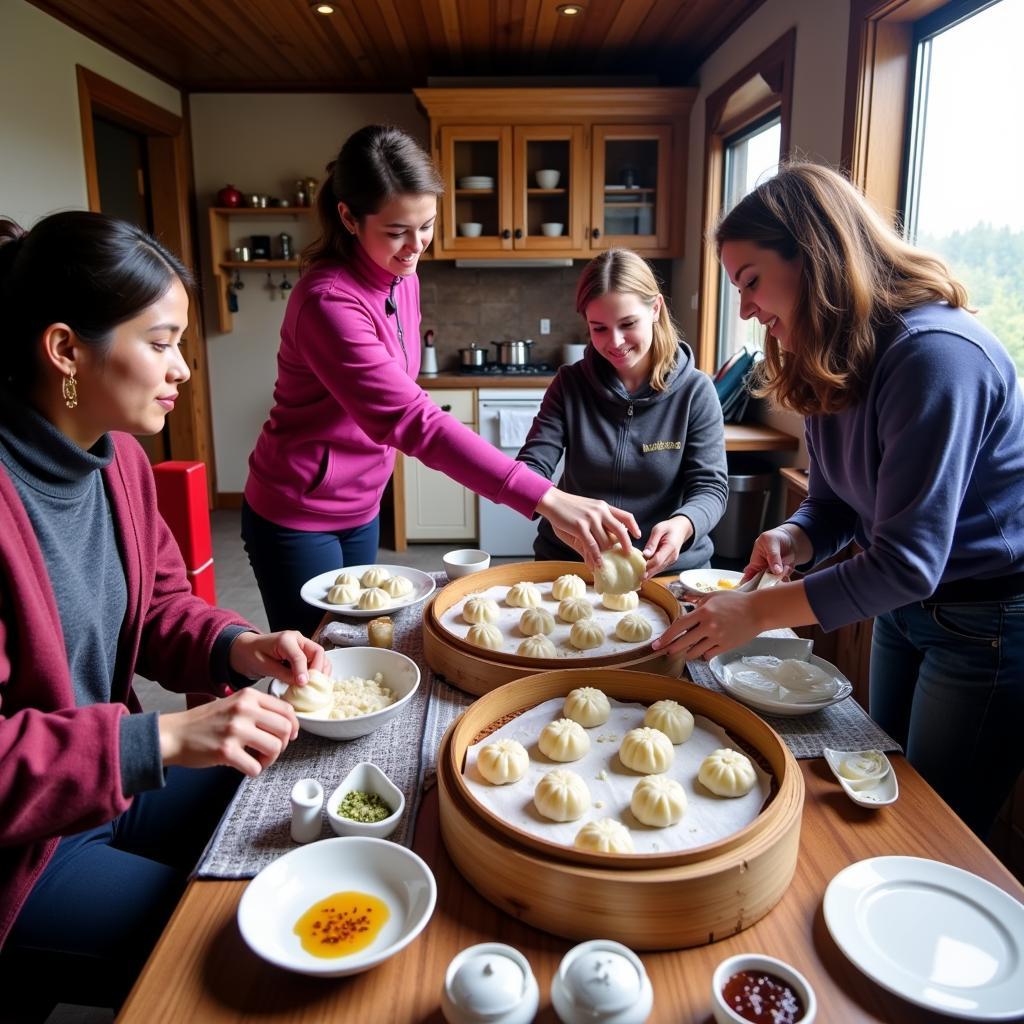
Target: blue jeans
[(283, 559), (103, 899), (947, 682)]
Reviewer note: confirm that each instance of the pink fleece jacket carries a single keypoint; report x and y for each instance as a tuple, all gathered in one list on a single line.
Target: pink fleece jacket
[(346, 397)]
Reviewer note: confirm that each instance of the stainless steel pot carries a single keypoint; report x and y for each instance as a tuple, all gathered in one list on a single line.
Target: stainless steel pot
[(513, 353), (472, 356)]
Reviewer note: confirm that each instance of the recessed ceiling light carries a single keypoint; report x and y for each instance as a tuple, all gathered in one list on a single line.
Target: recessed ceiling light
[(321, 8), (569, 10)]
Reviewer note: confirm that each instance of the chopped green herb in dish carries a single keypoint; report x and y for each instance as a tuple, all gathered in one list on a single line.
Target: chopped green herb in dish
[(365, 807)]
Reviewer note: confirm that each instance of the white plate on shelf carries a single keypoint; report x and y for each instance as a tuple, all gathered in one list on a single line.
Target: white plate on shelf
[(475, 182), (314, 591), (938, 936)]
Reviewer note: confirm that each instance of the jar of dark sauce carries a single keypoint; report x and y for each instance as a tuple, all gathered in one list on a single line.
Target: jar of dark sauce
[(762, 998)]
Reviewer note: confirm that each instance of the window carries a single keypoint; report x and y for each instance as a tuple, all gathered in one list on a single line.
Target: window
[(750, 158), (963, 195)]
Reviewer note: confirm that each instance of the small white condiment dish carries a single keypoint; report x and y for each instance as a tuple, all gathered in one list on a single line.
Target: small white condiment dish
[(401, 676), (601, 982), (489, 983), (367, 778), (471, 229), (552, 229), (285, 889), (868, 792), (465, 561), (724, 1014), (548, 178)]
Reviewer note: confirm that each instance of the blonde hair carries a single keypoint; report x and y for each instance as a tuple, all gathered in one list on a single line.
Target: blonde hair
[(856, 275), (622, 270)]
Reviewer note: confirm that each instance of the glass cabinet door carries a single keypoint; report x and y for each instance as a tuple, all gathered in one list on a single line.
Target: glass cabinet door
[(549, 203), (477, 167), (629, 204)]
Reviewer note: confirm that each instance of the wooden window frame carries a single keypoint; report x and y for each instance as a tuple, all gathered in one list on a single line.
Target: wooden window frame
[(764, 86)]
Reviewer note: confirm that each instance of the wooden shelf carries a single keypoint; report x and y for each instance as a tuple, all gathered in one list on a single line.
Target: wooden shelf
[(475, 191), (546, 191), (262, 211), (260, 264)]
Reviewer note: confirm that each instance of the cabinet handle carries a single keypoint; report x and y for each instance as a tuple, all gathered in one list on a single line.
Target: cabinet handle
[(446, 408), (506, 233), (519, 232), (596, 233)]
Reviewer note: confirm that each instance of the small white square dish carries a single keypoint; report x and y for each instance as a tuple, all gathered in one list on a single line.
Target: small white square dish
[(366, 777)]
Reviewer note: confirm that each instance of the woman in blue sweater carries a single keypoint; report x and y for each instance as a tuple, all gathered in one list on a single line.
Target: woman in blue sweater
[(915, 435)]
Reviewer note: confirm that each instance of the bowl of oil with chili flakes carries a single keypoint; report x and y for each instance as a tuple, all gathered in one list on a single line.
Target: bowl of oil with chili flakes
[(337, 906)]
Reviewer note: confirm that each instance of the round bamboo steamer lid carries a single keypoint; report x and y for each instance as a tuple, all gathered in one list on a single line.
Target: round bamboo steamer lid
[(539, 572), (740, 723)]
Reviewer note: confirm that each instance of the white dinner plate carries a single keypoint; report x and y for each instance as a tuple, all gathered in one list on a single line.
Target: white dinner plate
[(936, 935), (314, 591)]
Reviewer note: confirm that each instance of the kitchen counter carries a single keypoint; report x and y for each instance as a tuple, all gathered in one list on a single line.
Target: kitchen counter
[(497, 380)]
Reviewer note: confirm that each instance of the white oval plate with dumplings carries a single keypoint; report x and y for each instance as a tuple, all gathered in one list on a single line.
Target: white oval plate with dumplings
[(314, 591)]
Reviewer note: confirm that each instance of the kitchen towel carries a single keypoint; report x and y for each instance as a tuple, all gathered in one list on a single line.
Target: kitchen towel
[(513, 426)]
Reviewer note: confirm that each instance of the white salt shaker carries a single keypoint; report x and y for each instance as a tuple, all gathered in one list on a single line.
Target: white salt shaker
[(307, 805), (490, 983)]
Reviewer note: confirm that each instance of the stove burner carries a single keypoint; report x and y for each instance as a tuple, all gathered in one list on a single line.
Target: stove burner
[(504, 370)]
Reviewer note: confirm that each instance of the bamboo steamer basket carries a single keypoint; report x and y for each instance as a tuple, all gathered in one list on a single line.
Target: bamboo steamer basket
[(478, 671), (647, 901)]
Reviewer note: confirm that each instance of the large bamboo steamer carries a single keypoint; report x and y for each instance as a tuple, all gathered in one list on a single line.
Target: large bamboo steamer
[(478, 671), (647, 901)]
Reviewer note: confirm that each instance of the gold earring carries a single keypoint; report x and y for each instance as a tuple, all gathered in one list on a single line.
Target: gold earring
[(69, 388)]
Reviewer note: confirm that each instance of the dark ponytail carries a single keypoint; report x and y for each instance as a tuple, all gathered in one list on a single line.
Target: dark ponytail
[(83, 269), (375, 164)]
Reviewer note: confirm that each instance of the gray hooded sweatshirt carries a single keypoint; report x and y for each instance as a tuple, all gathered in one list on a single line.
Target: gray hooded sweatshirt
[(657, 454)]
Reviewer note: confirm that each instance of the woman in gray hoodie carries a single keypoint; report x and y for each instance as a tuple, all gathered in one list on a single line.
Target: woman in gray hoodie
[(639, 425)]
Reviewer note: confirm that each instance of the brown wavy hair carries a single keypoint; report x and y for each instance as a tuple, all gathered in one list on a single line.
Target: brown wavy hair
[(622, 270), (857, 274), (375, 164)]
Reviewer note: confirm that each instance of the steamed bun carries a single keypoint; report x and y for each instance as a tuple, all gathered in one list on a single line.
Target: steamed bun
[(536, 620), (374, 577), (568, 586), (586, 634), (484, 634), (503, 761), (587, 705), (538, 646), (563, 740), (727, 773), (604, 835), (633, 628), (620, 571), (671, 718), (523, 595), (480, 609), (658, 801), (646, 750), (561, 795), (621, 602), (316, 695), (374, 598)]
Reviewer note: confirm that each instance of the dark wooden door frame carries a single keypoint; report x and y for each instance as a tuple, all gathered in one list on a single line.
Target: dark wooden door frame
[(170, 174)]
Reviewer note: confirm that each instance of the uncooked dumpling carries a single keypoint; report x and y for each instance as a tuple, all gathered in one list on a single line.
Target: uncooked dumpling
[(503, 761), (586, 634), (621, 602), (658, 801), (646, 750), (374, 577), (485, 634), (563, 740), (572, 609), (568, 586), (605, 835), (620, 572), (346, 579), (538, 646), (523, 595), (727, 772), (480, 609), (374, 598), (671, 718), (398, 586), (316, 695), (536, 620), (587, 705), (343, 594), (633, 628), (561, 796)]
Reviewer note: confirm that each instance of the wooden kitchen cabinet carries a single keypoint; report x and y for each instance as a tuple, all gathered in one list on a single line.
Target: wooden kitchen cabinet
[(438, 508), (620, 156)]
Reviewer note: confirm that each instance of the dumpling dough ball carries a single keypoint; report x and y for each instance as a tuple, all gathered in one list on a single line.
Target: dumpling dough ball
[(503, 761), (374, 577), (587, 705), (561, 795), (620, 571), (316, 695), (671, 718), (621, 602), (485, 634), (727, 772), (536, 620), (398, 586), (346, 579), (374, 598), (646, 750), (568, 586), (523, 595), (658, 801), (572, 609), (480, 609), (633, 628), (586, 634), (563, 740), (605, 835), (538, 646), (343, 594)]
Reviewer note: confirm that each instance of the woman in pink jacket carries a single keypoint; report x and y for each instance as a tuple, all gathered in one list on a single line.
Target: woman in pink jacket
[(346, 395), (104, 809)]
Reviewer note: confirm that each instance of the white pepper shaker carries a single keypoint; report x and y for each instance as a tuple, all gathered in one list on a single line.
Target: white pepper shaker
[(307, 806)]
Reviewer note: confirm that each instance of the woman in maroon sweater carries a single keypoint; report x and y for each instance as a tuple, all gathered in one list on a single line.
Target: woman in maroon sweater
[(102, 809)]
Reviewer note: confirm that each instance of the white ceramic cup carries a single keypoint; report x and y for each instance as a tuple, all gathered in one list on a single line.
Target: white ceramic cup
[(307, 800), (465, 561), (548, 178), (724, 1014), (551, 229), (471, 229)]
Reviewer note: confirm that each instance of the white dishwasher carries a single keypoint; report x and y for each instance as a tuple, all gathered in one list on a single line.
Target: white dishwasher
[(504, 418)]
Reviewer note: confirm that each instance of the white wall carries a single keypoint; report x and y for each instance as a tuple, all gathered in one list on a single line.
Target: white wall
[(40, 128), (262, 143)]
